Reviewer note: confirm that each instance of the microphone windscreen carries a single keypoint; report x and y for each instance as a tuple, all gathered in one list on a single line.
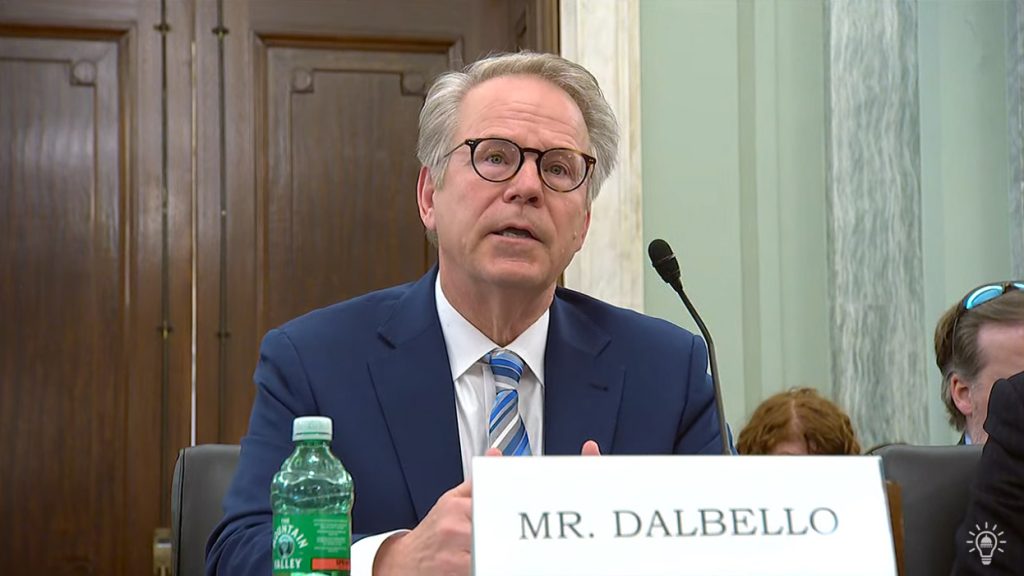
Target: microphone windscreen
[(664, 260), (658, 250)]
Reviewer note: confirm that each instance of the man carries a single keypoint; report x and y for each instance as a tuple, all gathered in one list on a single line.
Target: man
[(978, 341), (996, 510), (420, 378)]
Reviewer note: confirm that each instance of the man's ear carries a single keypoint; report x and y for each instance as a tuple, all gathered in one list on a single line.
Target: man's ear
[(583, 230), (425, 198), (961, 393)]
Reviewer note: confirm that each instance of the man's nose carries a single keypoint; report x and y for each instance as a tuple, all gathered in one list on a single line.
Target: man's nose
[(526, 186)]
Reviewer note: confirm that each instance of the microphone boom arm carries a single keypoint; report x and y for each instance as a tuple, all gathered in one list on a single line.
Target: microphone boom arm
[(664, 261), (677, 285)]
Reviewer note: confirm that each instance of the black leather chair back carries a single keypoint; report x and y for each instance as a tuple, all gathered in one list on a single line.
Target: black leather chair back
[(201, 477), (935, 485)]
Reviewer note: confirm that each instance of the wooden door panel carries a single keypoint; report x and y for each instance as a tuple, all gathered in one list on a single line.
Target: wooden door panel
[(104, 240), (94, 400), (319, 167), (307, 169), (341, 217), (63, 264)]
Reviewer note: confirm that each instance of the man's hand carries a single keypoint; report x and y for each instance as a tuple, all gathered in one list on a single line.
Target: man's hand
[(590, 448), (439, 545)]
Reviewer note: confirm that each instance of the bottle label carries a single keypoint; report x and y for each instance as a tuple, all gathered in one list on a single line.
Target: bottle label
[(312, 543)]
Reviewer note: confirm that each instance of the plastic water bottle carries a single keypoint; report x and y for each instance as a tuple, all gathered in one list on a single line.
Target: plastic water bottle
[(311, 497)]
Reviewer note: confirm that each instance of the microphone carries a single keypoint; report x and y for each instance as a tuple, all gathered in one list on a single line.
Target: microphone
[(665, 263)]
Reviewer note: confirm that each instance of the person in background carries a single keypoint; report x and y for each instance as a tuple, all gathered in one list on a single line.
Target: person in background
[(997, 496), (485, 353), (979, 340), (796, 422)]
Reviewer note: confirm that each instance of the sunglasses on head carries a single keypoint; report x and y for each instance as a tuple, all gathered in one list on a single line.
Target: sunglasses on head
[(979, 296), (987, 293)]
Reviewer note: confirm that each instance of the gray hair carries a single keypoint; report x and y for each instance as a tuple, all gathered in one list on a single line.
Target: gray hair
[(439, 116)]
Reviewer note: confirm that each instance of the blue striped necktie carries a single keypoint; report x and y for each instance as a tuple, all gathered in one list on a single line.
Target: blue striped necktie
[(506, 430)]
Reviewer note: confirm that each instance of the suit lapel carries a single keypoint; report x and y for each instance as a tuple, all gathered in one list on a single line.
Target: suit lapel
[(415, 390), (582, 388)]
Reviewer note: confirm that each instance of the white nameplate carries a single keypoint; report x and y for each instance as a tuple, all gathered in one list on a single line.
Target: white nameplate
[(680, 515)]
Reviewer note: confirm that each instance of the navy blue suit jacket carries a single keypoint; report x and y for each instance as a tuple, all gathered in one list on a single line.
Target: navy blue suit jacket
[(378, 366), (997, 495)]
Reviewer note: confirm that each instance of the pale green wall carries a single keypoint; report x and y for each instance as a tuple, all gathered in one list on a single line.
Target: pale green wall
[(964, 155), (689, 91), (733, 141), (734, 178)]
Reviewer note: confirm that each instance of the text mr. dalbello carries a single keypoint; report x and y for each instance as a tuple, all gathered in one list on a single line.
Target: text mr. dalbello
[(679, 523)]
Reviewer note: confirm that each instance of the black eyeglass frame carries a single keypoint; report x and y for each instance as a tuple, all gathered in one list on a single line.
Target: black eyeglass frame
[(966, 305), (589, 161)]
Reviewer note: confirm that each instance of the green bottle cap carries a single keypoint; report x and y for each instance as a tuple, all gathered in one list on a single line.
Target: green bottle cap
[(312, 428)]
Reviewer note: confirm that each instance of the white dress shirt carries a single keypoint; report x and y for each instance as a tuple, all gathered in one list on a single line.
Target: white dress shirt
[(474, 383), (474, 396)]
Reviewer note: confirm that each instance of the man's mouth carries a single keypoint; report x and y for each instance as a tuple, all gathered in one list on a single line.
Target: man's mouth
[(515, 233)]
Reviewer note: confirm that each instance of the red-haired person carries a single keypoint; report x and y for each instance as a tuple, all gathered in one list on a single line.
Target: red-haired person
[(796, 422)]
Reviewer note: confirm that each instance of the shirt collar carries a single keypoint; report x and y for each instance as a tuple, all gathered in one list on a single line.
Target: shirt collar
[(466, 345)]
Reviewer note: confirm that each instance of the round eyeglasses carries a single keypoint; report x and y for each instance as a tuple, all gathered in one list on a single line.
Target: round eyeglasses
[(499, 160)]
